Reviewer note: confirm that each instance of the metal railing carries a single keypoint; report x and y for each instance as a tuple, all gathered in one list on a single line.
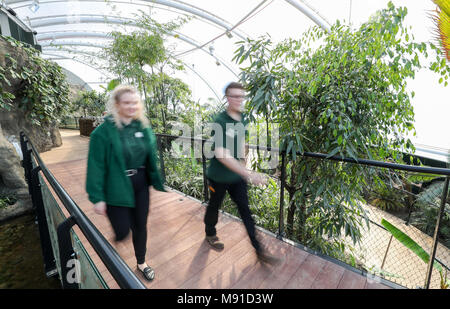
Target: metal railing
[(58, 246), (324, 157)]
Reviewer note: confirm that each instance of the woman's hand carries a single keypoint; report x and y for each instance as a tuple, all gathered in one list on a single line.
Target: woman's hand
[(100, 208)]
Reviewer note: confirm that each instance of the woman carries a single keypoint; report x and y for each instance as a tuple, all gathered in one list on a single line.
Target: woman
[(122, 164)]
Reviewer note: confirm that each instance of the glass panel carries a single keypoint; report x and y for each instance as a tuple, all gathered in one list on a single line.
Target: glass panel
[(54, 218), (90, 277)]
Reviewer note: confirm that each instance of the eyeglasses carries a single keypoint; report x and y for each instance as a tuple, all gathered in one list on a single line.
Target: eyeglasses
[(236, 96)]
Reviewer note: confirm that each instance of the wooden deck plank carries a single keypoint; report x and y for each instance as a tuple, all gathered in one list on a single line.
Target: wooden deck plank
[(307, 273), (351, 280), (329, 277), (182, 259)]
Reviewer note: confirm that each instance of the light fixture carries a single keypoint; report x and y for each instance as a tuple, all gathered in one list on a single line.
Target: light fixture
[(229, 35), (34, 6)]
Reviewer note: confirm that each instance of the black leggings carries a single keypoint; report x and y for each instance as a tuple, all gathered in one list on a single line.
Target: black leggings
[(239, 195), (125, 218)]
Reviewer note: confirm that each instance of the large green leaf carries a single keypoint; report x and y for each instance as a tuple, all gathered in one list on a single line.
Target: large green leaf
[(409, 243), (112, 84)]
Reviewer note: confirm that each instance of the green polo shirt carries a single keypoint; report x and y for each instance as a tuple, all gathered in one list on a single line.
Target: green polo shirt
[(134, 146), (231, 136)]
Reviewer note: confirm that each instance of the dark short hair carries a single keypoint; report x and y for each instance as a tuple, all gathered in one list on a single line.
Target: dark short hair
[(233, 85)]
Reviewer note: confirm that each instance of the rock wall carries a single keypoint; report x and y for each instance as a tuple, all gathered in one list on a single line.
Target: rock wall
[(12, 178), (12, 122)]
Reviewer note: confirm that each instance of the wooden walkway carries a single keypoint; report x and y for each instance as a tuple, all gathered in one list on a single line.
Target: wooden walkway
[(181, 257)]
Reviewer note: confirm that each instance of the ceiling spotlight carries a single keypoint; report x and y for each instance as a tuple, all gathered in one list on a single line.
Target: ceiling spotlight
[(211, 49), (229, 35), (34, 6)]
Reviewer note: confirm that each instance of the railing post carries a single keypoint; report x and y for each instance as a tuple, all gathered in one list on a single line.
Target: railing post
[(26, 161), (436, 234), (205, 181), (283, 176), (70, 272), (386, 253), (161, 157), (38, 203)]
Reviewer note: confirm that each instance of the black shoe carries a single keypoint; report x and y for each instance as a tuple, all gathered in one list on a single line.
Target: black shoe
[(214, 242), (148, 273)]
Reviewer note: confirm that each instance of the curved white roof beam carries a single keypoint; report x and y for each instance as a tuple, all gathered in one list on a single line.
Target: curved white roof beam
[(72, 43), (185, 7), (51, 48), (46, 21), (59, 57), (306, 10), (54, 35)]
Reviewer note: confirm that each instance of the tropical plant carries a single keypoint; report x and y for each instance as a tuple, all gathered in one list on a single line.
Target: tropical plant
[(339, 92), (426, 210), (442, 21), (90, 103), (43, 95), (386, 198), (409, 243), (142, 59), (183, 172)]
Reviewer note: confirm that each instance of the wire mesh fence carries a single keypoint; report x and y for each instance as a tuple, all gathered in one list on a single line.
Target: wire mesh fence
[(402, 215), (376, 219)]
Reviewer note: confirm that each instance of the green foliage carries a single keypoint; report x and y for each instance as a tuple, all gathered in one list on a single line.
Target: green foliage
[(408, 242), (43, 94), (417, 249), (184, 174), (169, 98), (140, 58), (112, 85), (264, 202), (6, 201), (340, 93), (91, 103), (426, 210), (386, 195)]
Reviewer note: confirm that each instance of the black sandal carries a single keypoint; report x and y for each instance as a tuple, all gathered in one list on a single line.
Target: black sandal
[(148, 273)]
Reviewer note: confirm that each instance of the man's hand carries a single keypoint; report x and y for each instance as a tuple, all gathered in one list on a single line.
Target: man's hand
[(100, 208), (257, 179)]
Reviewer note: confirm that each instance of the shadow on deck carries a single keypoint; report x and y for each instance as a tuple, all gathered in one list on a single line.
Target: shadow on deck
[(176, 248)]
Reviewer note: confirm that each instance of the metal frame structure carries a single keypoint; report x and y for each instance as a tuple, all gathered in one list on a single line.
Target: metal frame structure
[(174, 5), (205, 81), (184, 7), (75, 19)]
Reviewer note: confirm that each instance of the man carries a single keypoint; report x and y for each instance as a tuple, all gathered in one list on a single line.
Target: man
[(227, 171)]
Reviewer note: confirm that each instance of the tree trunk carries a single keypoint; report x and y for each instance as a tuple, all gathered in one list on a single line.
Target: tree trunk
[(290, 188), (290, 215), (301, 233)]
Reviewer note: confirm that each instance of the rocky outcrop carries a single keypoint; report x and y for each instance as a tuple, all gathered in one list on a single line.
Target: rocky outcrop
[(12, 180), (15, 120), (12, 122)]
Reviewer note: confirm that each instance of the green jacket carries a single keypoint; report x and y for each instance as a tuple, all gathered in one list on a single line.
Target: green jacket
[(106, 179)]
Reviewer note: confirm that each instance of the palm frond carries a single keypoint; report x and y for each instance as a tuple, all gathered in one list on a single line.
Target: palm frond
[(442, 21)]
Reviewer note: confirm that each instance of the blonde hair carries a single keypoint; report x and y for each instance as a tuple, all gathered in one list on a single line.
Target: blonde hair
[(114, 100)]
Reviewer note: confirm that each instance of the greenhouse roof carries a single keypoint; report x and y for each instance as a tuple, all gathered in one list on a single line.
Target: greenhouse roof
[(72, 32)]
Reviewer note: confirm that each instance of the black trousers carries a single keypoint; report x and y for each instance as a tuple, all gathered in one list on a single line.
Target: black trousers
[(125, 218), (239, 195)]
